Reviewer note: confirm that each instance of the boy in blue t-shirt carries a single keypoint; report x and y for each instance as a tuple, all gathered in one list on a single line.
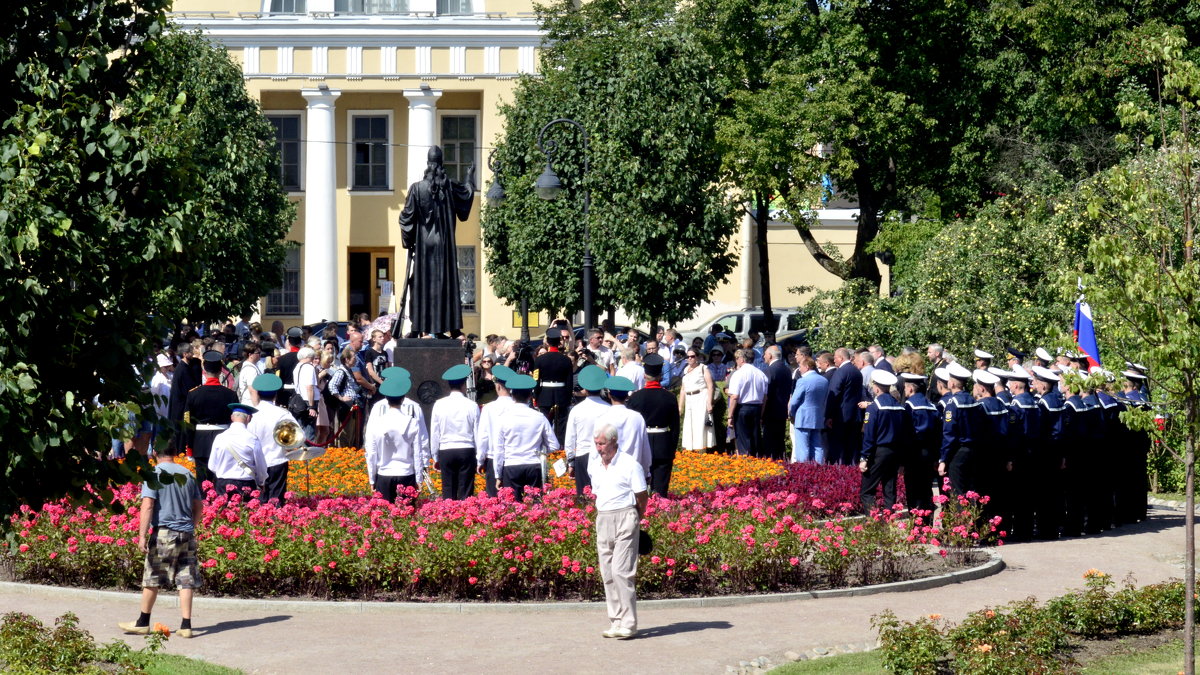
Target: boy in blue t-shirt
[(174, 510)]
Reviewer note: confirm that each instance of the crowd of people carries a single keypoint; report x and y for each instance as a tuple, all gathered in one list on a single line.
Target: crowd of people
[(1027, 434), (1041, 436)]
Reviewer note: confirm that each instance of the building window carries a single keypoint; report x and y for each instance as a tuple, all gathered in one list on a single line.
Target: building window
[(458, 145), (285, 300), (466, 278), (287, 140), (287, 6), (370, 6), (371, 151), (454, 6)]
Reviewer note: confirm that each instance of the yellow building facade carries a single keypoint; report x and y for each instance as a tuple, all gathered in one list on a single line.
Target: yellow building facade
[(358, 90)]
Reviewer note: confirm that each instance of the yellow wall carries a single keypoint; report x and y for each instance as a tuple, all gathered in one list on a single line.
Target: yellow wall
[(369, 219)]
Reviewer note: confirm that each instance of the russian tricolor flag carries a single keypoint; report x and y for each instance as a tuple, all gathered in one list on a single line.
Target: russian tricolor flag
[(1085, 330)]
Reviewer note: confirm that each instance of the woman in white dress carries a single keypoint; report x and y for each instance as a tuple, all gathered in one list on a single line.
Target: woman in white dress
[(695, 404)]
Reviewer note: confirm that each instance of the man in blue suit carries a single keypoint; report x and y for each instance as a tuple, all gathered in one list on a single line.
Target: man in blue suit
[(844, 418), (806, 410)]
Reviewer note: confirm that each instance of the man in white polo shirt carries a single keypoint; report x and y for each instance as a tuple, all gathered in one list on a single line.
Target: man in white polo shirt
[(619, 484), (747, 390)]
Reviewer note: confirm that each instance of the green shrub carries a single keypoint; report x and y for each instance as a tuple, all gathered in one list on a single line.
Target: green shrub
[(1018, 638), (911, 647), (27, 645)]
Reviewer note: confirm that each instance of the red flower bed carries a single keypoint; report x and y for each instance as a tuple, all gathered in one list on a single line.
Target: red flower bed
[(756, 537)]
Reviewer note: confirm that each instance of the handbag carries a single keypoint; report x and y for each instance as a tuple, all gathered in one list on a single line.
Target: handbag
[(297, 406), (645, 543)]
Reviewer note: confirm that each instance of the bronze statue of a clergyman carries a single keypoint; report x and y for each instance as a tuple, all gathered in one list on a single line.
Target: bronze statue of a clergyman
[(427, 227)]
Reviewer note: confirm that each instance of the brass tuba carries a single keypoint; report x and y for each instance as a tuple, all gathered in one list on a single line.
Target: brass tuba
[(288, 434)]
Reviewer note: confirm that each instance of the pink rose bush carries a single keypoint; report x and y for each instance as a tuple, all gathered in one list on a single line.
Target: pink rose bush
[(778, 534)]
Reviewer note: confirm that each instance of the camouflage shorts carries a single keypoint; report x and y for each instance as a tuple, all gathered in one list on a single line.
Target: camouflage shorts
[(171, 560)]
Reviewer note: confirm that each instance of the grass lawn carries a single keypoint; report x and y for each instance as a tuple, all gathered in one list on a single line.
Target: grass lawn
[(1162, 660), (173, 664), (1169, 496)]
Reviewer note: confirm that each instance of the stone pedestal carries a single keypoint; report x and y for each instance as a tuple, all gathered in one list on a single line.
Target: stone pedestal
[(426, 359)]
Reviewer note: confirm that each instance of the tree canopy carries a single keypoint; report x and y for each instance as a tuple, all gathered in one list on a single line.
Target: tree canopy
[(660, 223), (139, 185)]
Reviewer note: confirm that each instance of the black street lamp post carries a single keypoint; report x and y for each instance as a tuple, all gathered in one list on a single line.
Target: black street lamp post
[(549, 186)]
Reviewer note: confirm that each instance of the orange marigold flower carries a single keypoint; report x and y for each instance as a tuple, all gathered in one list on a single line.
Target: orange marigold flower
[(160, 628), (983, 648)]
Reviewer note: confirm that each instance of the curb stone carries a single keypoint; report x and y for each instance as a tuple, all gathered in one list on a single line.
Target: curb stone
[(993, 565)]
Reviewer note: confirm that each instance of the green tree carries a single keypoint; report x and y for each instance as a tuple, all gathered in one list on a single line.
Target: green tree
[(1142, 273), (660, 223), (138, 184)]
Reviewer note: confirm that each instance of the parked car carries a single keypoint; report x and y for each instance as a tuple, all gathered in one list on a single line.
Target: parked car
[(580, 332), (741, 322), (319, 328)]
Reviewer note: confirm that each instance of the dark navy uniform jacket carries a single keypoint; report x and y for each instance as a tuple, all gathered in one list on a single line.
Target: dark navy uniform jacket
[(660, 409), (963, 424), (886, 425), (941, 404), (1024, 424), (924, 415), (206, 404), (1053, 430), (553, 367), (996, 426), (1006, 397)]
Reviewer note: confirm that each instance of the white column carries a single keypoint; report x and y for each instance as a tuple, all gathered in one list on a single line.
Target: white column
[(422, 123), (746, 292), (321, 250)]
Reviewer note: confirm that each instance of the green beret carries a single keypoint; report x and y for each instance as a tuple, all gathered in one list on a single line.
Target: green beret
[(393, 371), (267, 383), (503, 373), (592, 378), (460, 372), (395, 386), (242, 408), (520, 383), (619, 383)]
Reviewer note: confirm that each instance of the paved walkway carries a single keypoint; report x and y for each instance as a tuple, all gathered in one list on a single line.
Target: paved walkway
[(294, 639)]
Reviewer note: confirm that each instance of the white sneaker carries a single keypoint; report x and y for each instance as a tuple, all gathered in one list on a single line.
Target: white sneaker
[(612, 630), (622, 633)]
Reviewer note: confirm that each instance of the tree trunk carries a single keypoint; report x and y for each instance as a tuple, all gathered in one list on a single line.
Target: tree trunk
[(762, 219), (524, 320), (1189, 574), (862, 265)]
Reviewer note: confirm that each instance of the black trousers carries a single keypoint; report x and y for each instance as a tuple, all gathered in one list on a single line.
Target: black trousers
[(582, 479), (558, 420), (388, 486), (1075, 493), (745, 429), (881, 470), (1051, 501), (458, 472), (227, 485), (662, 462), (489, 478), (276, 485), (920, 470), (773, 434), (962, 470), (520, 477)]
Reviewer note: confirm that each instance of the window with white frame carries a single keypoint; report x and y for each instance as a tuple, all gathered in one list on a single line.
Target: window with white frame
[(285, 300), (371, 152), (458, 145), (466, 278), (287, 140), (454, 6), (287, 6), (370, 6)]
